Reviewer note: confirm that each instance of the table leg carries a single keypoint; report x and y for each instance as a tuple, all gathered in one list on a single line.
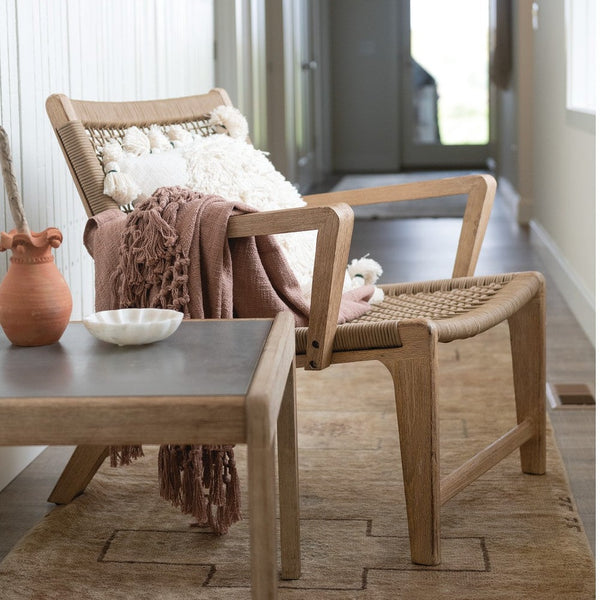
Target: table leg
[(80, 469), (289, 498), (261, 500)]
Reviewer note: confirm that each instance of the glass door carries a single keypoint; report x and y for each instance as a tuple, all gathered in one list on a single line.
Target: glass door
[(446, 106)]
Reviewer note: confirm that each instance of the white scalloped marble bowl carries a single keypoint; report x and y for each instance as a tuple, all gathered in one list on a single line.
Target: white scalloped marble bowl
[(133, 326)]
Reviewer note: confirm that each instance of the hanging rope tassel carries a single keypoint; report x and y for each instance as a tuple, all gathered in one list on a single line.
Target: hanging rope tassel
[(169, 474), (202, 482), (124, 455), (233, 494), (221, 480)]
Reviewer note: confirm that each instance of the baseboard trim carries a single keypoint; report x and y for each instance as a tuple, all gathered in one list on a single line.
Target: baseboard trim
[(579, 299), (517, 206), (510, 198)]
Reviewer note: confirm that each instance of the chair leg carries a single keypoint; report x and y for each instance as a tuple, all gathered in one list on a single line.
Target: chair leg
[(78, 472), (527, 338), (289, 498), (261, 504), (416, 394)]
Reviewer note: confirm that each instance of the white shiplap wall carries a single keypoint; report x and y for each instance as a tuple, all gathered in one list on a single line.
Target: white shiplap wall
[(92, 50)]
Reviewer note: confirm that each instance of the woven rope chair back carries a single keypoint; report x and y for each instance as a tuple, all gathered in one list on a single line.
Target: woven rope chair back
[(84, 127)]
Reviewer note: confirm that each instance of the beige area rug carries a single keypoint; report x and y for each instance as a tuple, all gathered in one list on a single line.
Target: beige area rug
[(447, 207), (508, 536)]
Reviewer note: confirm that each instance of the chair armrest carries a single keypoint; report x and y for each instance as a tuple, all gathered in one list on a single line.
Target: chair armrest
[(480, 190), (334, 226)]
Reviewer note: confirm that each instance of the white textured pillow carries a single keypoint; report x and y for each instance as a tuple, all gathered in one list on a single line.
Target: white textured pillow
[(154, 170), (221, 163), (232, 168)]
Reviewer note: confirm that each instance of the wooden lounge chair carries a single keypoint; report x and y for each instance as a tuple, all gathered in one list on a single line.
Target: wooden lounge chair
[(403, 332)]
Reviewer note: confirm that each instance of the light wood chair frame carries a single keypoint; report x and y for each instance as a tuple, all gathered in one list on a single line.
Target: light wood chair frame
[(407, 346)]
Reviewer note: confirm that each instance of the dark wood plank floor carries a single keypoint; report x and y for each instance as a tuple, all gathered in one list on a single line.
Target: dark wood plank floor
[(413, 249)]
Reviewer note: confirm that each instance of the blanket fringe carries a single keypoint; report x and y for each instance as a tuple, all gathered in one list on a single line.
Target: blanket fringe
[(124, 455), (202, 482), (153, 272), (152, 258)]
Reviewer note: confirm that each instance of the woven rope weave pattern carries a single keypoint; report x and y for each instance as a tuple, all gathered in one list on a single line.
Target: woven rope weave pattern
[(441, 304), (464, 306), (100, 135)]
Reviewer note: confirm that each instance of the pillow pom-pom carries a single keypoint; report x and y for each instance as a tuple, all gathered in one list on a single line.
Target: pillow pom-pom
[(229, 119), (111, 152), (120, 186), (158, 140), (365, 268), (179, 136), (111, 167), (136, 142)]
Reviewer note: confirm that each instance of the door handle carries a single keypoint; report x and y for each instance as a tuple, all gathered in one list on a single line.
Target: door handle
[(310, 65)]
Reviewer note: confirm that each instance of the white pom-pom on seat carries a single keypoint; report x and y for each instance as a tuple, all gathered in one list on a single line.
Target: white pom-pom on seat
[(357, 280), (365, 271), (366, 268)]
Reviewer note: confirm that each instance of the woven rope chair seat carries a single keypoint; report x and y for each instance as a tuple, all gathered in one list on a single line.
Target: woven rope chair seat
[(460, 308), (441, 304)]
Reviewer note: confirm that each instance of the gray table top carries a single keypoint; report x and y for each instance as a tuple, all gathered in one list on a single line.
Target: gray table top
[(202, 358)]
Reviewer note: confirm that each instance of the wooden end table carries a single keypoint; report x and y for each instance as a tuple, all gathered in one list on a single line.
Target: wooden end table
[(211, 382)]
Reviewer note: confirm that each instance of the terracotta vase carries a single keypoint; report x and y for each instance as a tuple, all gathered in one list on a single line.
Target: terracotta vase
[(35, 300)]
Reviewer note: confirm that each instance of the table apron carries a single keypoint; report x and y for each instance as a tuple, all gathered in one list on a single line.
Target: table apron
[(91, 421)]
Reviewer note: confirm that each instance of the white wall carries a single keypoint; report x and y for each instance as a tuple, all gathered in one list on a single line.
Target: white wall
[(108, 50), (564, 181), (547, 162)]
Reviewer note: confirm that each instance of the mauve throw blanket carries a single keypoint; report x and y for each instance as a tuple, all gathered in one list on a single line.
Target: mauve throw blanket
[(172, 252)]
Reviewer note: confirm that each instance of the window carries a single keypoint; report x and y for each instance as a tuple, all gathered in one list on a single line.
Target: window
[(580, 24)]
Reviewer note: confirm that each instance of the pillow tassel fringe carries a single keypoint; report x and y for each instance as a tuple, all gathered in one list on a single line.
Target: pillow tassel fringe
[(120, 187)]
